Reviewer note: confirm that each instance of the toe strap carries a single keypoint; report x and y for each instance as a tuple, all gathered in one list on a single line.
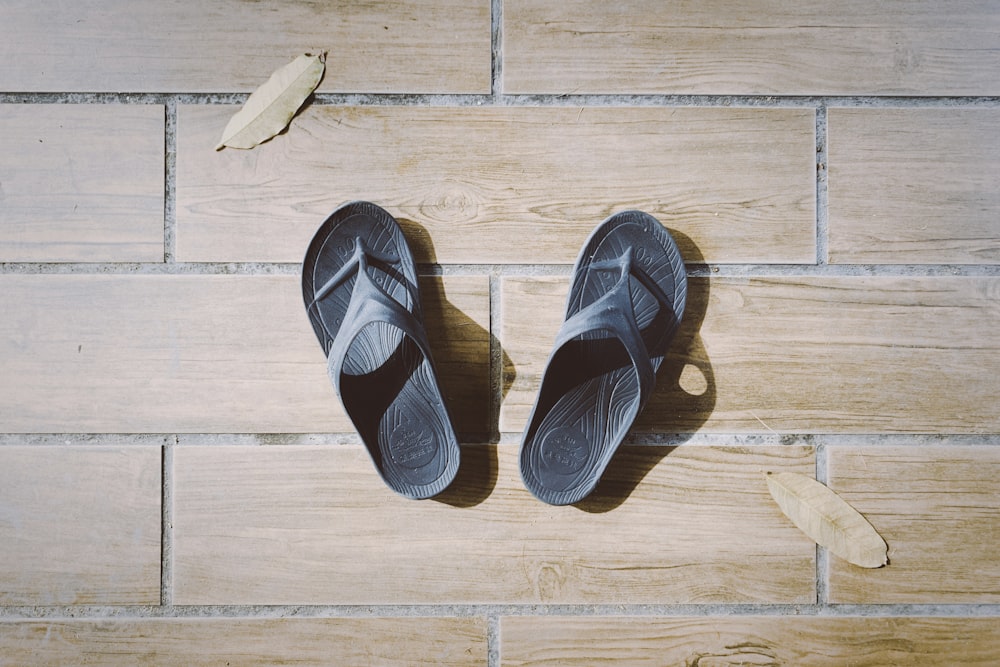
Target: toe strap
[(613, 313), (369, 303)]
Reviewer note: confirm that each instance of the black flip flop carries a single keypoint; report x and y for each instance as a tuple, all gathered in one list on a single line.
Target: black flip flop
[(625, 305), (359, 282)]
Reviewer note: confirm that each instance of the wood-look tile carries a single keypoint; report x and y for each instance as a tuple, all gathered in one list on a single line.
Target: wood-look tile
[(505, 184), (81, 183), (204, 354), (192, 642), (79, 525), (315, 525), (914, 186), (412, 46), (751, 47), (796, 355), (553, 641), (938, 509)]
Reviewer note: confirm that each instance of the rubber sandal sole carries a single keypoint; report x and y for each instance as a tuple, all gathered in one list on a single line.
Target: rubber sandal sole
[(382, 368), (591, 391)]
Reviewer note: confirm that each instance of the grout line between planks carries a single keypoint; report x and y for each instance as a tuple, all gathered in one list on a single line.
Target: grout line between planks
[(822, 554), (494, 644), (496, 612), (497, 368), (529, 270), (497, 96), (496, 50), (699, 439), (167, 527), (170, 183), (822, 189)]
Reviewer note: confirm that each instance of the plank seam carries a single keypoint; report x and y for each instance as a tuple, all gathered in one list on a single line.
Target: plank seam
[(822, 189), (494, 645), (507, 438), (497, 97), (822, 555), (496, 49), (167, 526), (496, 357), (170, 183), (498, 611), (507, 270)]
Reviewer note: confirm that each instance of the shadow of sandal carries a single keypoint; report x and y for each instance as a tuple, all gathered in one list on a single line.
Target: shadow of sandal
[(462, 354), (476, 478), (683, 401)]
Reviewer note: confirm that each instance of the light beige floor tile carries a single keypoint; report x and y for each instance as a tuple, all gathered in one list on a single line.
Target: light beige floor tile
[(796, 355), (204, 354), (79, 525), (505, 185), (81, 183), (414, 46), (315, 525), (938, 509), (914, 186), (752, 47), (755, 640), (191, 642)]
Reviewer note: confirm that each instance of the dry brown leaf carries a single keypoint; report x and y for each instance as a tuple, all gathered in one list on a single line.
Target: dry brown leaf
[(271, 107), (828, 519)]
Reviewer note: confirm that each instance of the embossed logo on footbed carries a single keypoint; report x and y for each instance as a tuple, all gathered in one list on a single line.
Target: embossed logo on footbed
[(565, 450), (412, 445)]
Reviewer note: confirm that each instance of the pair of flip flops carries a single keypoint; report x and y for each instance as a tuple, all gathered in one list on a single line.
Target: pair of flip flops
[(625, 304)]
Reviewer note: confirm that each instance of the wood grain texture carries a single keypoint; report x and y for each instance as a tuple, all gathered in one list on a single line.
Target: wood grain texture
[(79, 525), (410, 46), (796, 355), (910, 186), (505, 184), (751, 47), (938, 508), (552, 641), (203, 354), (81, 183), (315, 525), (194, 642)]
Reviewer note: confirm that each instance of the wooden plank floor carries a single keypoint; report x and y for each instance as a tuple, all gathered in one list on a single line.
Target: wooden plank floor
[(414, 46), (699, 526), (81, 183), (392, 642), (942, 208), (179, 484), (760, 640), (551, 175), (203, 354), (80, 525), (752, 47)]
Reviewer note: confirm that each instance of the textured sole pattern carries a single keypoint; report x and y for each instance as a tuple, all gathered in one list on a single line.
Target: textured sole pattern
[(590, 394), (387, 384)]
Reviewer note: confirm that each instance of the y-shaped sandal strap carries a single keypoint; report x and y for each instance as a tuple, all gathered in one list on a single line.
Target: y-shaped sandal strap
[(615, 314), (369, 303)]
